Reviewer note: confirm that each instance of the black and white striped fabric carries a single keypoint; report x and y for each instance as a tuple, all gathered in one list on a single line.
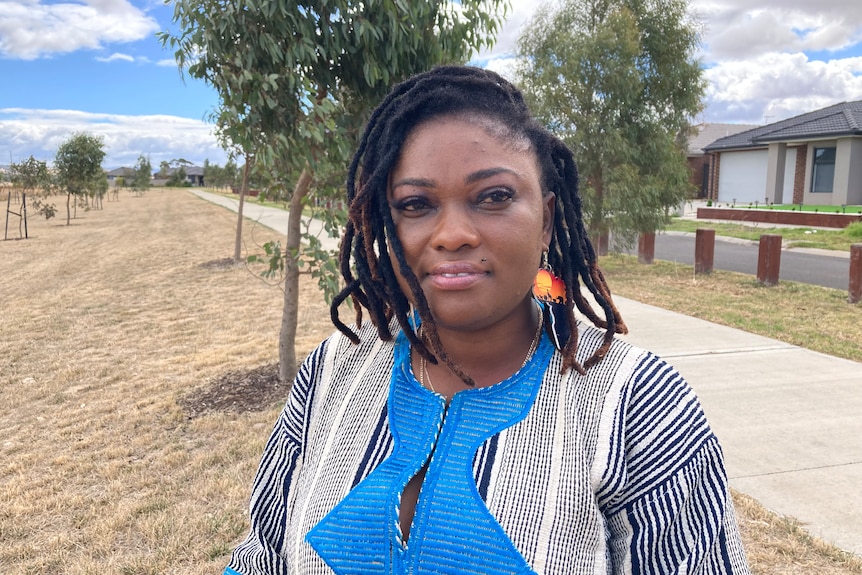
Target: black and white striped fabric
[(613, 472)]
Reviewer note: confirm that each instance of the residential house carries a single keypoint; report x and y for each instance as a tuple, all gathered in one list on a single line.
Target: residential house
[(814, 158), (125, 173), (194, 175), (698, 161)]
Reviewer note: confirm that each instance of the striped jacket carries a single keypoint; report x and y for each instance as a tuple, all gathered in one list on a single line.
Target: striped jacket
[(613, 472)]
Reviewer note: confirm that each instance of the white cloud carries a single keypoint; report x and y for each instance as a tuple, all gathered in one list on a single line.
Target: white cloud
[(760, 55), (30, 29), (116, 56), (40, 132), (740, 29), (776, 86)]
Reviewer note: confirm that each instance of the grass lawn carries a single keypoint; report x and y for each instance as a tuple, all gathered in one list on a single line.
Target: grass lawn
[(815, 208), (796, 237), (109, 324)]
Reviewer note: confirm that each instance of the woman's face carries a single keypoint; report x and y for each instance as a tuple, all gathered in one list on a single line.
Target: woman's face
[(469, 211)]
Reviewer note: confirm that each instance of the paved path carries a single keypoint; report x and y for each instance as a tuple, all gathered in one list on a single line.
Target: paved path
[(273, 218), (789, 419)]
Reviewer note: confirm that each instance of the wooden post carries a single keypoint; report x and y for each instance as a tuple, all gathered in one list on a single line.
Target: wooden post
[(646, 247), (769, 259), (855, 273), (704, 251)]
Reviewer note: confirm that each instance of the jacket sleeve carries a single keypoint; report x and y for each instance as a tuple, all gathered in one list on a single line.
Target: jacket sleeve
[(262, 552), (671, 511)]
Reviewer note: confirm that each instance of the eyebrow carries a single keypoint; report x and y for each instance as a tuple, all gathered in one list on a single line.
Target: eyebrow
[(472, 178)]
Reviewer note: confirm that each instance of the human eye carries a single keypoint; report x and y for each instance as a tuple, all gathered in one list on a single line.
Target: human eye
[(412, 205), (496, 198)]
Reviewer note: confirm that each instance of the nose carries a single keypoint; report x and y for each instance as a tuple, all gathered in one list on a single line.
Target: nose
[(455, 229)]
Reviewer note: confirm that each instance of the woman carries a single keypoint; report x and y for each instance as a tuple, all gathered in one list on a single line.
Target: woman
[(469, 428)]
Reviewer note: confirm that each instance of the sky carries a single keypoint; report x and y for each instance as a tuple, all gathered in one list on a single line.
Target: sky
[(97, 67)]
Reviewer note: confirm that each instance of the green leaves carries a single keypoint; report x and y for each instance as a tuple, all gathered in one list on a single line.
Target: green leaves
[(79, 162), (619, 82)]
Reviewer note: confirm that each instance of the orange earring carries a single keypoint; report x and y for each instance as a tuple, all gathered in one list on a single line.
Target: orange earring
[(547, 287)]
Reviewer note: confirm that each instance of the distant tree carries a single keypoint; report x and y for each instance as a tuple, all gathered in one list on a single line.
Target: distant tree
[(619, 81), (178, 178), (32, 176), (142, 175), (164, 169), (79, 167), (98, 191), (181, 162), (231, 176)]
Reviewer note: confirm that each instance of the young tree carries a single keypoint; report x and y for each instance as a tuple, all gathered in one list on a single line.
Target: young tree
[(295, 81), (31, 175), (178, 178), (619, 81), (79, 167), (142, 175)]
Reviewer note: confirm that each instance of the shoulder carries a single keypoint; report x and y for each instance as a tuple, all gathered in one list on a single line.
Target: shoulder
[(341, 352)]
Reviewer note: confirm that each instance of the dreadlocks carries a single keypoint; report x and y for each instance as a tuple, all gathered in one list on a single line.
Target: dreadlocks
[(371, 238)]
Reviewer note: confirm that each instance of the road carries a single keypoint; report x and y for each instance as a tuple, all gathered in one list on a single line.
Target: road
[(815, 267)]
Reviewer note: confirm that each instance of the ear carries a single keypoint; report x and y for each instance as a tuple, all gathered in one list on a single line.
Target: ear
[(549, 207)]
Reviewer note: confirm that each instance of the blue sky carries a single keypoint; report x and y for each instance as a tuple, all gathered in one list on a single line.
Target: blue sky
[(96, 66)]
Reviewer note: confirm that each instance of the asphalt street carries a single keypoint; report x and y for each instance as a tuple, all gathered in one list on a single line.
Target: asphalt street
[(817, 267)]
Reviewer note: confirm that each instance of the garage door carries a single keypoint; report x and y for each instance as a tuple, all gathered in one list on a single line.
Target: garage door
[(742, 177)]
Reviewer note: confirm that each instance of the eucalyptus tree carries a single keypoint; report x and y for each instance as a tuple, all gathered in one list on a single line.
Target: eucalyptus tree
[(142, 175), (619, 81), (78, 166), (296, 80), (32, 177)]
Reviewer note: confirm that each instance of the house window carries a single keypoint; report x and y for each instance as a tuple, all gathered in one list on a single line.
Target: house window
[(824, 170)]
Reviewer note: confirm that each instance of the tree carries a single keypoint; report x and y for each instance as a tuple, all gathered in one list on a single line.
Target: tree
[(142, 175), (618, 81), (79, 167), (178, 178), (296, 81), (31, 175)]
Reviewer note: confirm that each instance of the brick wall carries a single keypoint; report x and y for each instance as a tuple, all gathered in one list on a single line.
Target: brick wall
[(714, 165), (695, 177), (799, 174)]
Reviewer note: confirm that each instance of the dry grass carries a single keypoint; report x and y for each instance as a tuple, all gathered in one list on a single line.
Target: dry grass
[(809, 316), (106, 326), (779, 545)]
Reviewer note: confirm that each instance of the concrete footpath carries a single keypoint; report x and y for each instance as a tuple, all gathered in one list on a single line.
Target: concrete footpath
[(789, 419)]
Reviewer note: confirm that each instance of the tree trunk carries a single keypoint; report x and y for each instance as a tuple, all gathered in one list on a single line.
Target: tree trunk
[(290, 313), (237, 247), (68, 208), (598, 229)]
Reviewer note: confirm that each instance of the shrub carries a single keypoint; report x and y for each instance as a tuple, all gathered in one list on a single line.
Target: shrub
[(854, 230)]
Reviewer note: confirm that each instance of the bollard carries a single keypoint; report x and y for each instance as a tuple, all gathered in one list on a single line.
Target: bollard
[(769, 259), (646, 247), (855, 273), (704, 251)]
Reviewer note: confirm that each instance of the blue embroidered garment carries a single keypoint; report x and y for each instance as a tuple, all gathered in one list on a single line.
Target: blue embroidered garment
[(453, 531)]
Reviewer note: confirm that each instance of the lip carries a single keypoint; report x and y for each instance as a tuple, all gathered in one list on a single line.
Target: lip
[(456, 275)]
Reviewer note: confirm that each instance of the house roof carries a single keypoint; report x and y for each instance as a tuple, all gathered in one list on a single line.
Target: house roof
[(705, 134), (844, 119), (190, 171), (122, 172)]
